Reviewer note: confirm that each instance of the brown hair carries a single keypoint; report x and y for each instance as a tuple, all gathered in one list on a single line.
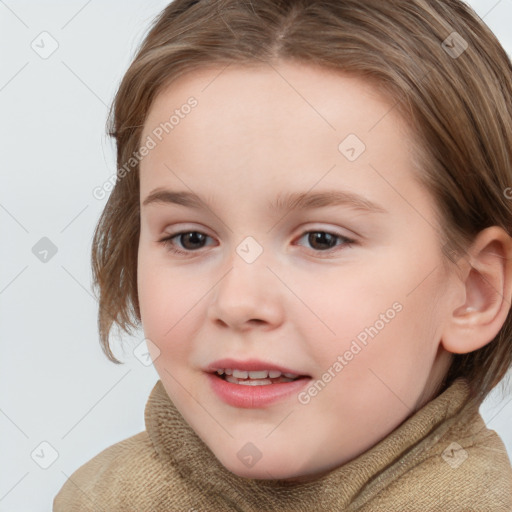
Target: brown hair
[(457, 101)]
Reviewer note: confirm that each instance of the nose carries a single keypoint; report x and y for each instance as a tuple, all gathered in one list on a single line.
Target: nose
[(248, 295)]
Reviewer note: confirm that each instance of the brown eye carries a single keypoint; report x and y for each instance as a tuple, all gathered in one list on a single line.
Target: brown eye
[(189, 240), (324, 241)]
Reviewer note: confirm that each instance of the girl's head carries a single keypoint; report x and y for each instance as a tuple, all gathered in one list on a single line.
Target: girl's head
[(345, 168)]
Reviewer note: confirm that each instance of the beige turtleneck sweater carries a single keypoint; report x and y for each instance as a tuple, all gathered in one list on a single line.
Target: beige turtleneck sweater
[(415, 468)]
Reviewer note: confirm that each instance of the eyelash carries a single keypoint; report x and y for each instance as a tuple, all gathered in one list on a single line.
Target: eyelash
[(167, 242)]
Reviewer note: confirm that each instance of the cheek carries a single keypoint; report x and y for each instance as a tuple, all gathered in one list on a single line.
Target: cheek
[(151, 292), (389, 310), (338, 312), (166, 304)]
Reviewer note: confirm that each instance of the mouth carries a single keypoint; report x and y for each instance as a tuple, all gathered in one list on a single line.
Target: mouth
[(254, 384), (256, 377)]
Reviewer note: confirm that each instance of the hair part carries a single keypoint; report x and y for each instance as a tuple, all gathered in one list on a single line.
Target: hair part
[(458, 109)]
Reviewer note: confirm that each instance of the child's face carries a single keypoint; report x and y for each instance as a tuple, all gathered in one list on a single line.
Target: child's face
[(364, 319)]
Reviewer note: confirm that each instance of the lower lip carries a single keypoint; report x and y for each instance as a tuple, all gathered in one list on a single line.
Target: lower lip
[(251, 397)]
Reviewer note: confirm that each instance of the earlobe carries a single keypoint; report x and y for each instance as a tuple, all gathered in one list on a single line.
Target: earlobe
[(487, 287)]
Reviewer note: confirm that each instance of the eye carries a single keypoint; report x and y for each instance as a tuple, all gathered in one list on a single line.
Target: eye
[(325, 241), (321, 241), (190, 238)]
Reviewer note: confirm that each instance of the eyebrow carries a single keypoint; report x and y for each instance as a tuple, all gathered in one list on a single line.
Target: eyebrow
[(285, 201)]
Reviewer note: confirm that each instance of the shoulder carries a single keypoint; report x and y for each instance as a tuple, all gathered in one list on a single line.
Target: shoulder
[(460, 468), (112, 479)]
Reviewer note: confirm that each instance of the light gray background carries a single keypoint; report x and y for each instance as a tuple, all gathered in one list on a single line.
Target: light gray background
[(56, 385)]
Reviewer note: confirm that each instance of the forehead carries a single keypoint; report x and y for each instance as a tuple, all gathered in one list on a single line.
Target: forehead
[(282, 90), (274, 90), (281, 123)]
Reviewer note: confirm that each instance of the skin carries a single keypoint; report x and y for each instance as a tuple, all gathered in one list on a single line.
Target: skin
[(257, 132)]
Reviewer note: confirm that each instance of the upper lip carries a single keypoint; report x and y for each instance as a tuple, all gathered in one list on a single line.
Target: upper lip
[(250, 365)]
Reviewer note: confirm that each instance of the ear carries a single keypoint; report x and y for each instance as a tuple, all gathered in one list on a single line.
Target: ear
[(486, 283)]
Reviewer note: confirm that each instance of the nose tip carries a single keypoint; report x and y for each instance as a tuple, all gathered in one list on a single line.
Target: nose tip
[(242, 300)]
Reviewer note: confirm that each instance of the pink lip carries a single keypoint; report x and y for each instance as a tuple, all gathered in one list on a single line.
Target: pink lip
[(249, 365), (251, 397)]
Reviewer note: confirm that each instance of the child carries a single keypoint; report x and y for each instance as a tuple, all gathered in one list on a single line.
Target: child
[(296, 376)]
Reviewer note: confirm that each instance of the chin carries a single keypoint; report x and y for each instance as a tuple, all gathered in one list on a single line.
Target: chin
[(273, 468), (260, 472)]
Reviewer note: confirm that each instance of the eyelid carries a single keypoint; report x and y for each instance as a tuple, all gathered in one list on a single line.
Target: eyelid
[(346, 241), (301, 229)]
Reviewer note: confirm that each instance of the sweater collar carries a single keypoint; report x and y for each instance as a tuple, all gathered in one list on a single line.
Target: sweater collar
[(178, 445)]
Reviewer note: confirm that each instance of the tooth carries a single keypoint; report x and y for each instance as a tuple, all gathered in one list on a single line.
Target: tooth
[(228, 371), (240, 374), (290, 375), (264, 382), (255, 382), (273, 374), (220, 372), (248, 382), (263, 374)]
